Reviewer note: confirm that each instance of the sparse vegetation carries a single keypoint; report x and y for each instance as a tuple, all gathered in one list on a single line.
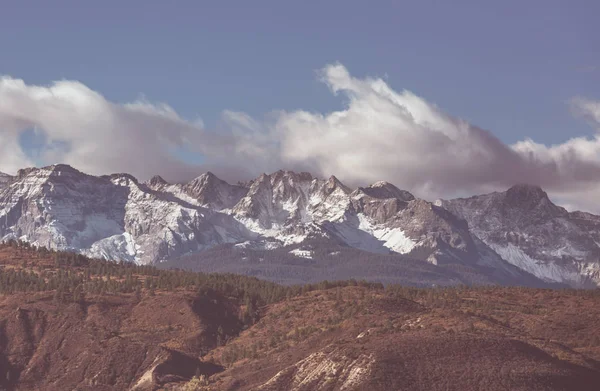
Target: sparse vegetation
[(197, 383)]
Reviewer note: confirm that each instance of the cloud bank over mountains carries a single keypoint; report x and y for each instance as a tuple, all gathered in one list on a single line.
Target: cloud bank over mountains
[(381, 134)]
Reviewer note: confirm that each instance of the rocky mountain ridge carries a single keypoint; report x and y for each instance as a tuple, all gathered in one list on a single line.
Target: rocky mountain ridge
[(509, 237), (524, 227)]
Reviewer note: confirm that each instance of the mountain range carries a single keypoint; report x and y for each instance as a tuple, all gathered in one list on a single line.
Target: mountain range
[(294, 221)]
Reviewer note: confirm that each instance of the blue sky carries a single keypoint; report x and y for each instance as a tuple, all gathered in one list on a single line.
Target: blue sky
[(506, 66), (364, 90)]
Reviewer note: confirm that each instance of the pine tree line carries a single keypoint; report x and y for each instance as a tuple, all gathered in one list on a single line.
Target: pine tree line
[(75, 275)]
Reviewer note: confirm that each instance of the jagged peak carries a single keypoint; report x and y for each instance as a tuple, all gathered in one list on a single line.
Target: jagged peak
[(157, 180), (261, 181), (206, 178), (61, 167), (52, 169), (277, 176), (121, 175), (525, 194), (279, 173), (208, 175), (385, 190), (381, 184), (526, 187), (207, 182), (23, 172), (302, 176), (334, 183), (333, 180)]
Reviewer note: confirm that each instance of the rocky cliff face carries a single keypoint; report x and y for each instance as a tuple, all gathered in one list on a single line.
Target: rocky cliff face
[(4, 180), (509, 235)]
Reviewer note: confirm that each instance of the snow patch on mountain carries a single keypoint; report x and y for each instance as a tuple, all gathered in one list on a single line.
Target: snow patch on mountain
[(276, 231), (566, 251), (260, 244), (122, 247), (348, 231), (546, 271), (308, 254), (393, 238)]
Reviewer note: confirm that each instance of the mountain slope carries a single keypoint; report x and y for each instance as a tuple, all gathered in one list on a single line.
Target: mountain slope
[(528, 230)]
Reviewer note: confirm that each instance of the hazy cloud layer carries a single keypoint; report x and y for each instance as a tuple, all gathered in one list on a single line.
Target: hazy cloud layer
[(380, 135)]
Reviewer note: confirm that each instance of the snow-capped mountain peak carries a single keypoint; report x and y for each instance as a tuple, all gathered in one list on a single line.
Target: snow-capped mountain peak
[(333, 184), (212, 192), (157, 181), (384, 190), (206, 190)]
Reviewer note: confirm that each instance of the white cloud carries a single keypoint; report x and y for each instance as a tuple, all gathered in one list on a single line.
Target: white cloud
[(381, 134), (401, 137), (588, 109), (85, 130)]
